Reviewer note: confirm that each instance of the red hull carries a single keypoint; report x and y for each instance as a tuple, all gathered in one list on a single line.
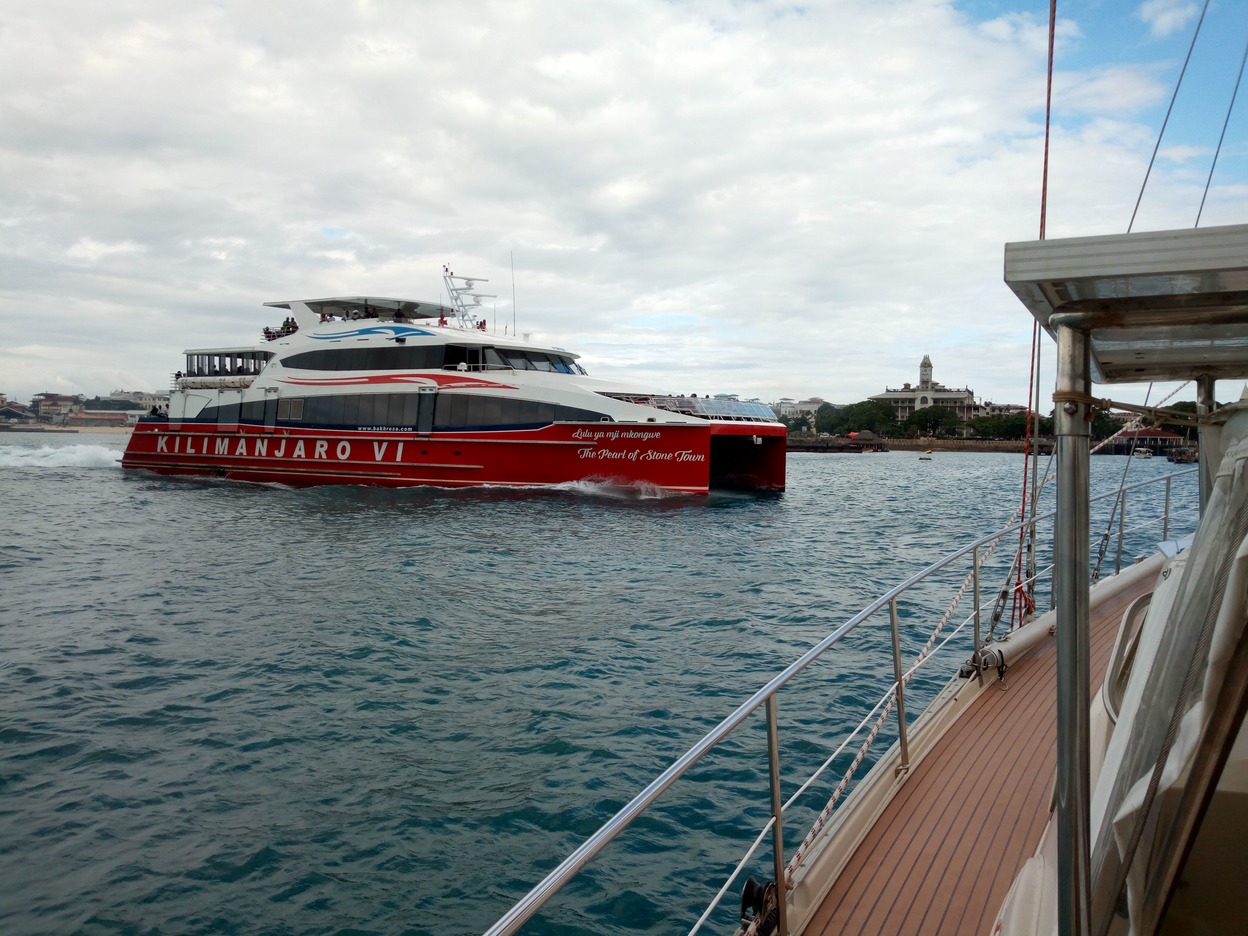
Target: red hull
[(671, 457)]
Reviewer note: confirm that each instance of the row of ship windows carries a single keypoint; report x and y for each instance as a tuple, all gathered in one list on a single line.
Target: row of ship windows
[(420, 412), (430, 357)]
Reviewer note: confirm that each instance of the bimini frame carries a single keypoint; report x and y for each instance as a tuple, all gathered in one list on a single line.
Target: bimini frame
[(1155, 306)]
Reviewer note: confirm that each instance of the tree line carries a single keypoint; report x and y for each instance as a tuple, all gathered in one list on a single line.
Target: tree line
[(879, 417)]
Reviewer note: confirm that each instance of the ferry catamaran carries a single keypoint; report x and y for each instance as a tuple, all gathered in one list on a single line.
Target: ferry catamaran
[(395, 392)]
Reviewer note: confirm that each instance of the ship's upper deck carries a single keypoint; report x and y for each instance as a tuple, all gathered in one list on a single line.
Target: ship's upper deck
[(360, 307)]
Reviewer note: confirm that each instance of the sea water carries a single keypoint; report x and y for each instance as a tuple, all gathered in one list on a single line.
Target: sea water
[(237, 708)]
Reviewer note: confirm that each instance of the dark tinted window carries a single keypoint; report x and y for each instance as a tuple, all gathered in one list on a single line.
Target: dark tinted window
[(461, 411), (450, 411), (515, 358), (390, 357)]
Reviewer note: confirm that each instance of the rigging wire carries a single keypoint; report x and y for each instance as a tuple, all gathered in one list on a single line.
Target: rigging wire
[(1048, 112), (1033, 379), (1024, 602), (1222, 136), (1178, 84)]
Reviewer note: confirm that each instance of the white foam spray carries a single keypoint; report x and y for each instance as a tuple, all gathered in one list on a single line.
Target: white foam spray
[(60, 456)]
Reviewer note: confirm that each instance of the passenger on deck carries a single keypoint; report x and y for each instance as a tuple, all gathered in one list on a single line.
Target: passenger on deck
[(399, 316)]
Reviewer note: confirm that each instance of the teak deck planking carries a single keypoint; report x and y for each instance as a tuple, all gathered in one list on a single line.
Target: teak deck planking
[(942, 856)]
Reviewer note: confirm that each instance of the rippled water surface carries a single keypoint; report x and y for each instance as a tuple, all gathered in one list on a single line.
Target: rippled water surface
[(239, 708)]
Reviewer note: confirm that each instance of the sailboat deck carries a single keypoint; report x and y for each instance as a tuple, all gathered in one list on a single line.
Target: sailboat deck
[(942, 856)]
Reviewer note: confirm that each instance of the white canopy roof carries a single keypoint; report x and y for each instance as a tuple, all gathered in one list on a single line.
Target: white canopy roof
[(1159, 305), (344, 305)]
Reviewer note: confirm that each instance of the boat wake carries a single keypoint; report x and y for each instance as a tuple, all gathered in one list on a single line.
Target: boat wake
[(61, 456), (615, 491)]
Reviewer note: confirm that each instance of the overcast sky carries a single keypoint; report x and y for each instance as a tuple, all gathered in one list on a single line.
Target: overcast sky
[(765, 198)]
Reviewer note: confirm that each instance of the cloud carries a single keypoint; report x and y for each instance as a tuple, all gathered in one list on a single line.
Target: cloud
[(760, 198), (1166, 17)]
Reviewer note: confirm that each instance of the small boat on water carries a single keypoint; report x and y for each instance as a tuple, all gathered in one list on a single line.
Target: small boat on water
[(395, 392), (1183, 456), (1142, 453)]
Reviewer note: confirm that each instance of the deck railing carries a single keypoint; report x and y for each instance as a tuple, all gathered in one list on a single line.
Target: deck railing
[(1155, 526)]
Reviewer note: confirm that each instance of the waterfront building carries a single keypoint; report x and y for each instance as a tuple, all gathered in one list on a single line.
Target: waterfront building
[(141, 399), (1001, 409), (789, 407), (13, 412), (1156, 441), (54, 407), (907, 399)]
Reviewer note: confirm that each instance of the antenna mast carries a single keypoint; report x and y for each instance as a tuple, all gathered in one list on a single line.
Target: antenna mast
[(465, 300)]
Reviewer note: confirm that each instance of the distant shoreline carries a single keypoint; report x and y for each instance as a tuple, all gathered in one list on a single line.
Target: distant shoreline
[(957, 445), (835, 446)]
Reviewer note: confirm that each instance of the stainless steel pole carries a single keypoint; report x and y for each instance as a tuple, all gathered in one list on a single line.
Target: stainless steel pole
[(979, 669), (1208, 459), (902, 734), (777, 812), (1122, 530), (1070, 578)]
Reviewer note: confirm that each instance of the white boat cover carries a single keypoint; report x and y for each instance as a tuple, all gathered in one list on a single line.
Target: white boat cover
[(1208, 582)]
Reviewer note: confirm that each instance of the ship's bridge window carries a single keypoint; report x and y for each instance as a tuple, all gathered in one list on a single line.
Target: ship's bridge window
[(516, 358), (523, 359), (475, 357)]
